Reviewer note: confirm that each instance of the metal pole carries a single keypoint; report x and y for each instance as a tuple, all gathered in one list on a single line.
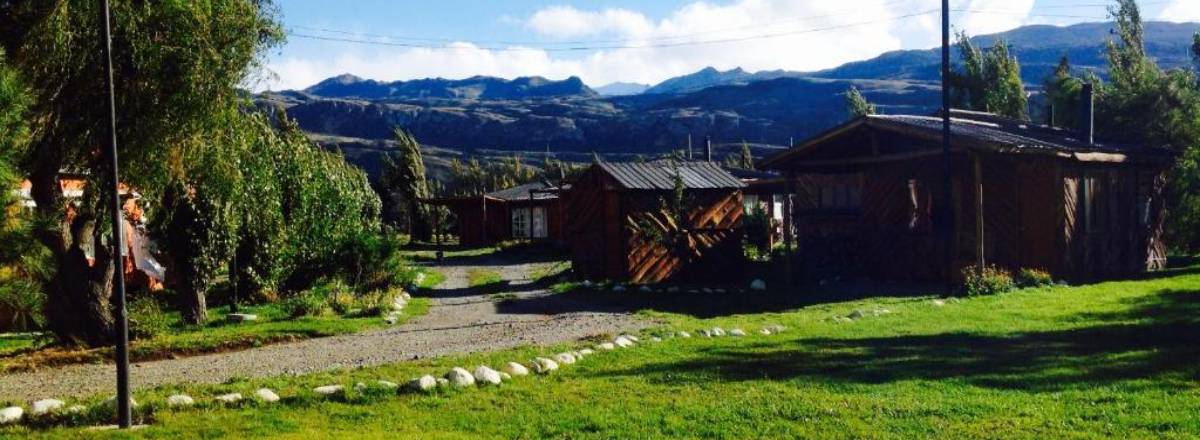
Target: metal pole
[(124, 415), (947, 197)]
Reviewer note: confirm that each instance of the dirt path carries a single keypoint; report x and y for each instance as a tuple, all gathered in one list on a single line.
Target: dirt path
[(460, 320)]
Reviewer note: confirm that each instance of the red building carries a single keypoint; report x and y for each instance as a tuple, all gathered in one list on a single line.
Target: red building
[(532, 211)]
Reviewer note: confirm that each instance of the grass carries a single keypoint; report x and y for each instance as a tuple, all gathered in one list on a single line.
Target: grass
[(483, 277), (430, 279), (273, 326), (1110, 360)]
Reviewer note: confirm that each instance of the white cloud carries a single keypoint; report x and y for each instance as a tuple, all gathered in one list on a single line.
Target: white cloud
[(752, 34), (1181, 11)]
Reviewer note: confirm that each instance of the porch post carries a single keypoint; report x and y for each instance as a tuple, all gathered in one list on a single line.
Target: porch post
[(529, 222), (787, 226), (979, 245)]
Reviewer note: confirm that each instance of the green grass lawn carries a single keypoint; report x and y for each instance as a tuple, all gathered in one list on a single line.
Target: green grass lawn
[(273, 325), (483, 277), (1111, 360)]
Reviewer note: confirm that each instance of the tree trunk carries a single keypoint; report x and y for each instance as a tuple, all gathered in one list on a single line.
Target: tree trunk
[(192, 305), (419, 219), (77, 300)]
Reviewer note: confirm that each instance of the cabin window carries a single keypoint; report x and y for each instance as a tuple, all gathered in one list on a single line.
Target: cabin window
[(521, 222), (840, 196)]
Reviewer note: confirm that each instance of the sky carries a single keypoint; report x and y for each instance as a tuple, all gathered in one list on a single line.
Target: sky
[(643, 41)]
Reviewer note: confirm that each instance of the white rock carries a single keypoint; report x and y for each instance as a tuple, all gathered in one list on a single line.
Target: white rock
[(423, 383), (644, 289), (360, 387), (717, 331), (11, 415), (704, 332), (684, 334), (405, 295), (387, 385), (673, 289), (605, 346), (623, 342), (578, 355), (939, 302), (856, 314), (544, 366), (180, 400), (459, 377), (655, 339), (707, 291), (45, 406), (719, 291), (586, 283), (587, 352), (880, 312), (758, 285), (777, 328), (111, 402), (230, 398), (76, 409), (329, 390), (266, 395), (391, 319), (618, 288), (693, 292), (486, 375), (241, 317), (505, 376), (737, 332), (442, 382), (565, 358), (765, 331), (633, 338), (516, 369)]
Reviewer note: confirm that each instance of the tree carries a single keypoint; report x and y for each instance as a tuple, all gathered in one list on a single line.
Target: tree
[(176, 65), (1196, 48), (404, 185), (857, 104), (200, 239), (988, 81), (1062, 92), (14, 132)]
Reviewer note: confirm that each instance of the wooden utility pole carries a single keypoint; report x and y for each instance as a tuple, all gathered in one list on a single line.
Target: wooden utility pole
[(124, 415), (787, 226), (947, 215)]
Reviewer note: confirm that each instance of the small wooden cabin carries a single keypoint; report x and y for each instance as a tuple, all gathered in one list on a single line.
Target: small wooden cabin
[(621, 226), (1023, 196), (525, 212)]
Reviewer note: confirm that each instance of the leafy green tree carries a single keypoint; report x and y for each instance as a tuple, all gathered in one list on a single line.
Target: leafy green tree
[(14, 133), (857, 104), (404, 185), (176, 65), (988, 80), (747, 158), (1062, 92), (200, 239)]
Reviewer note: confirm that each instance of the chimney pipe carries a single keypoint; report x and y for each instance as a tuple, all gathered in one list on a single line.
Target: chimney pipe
[(1087, 111), (708, 148)]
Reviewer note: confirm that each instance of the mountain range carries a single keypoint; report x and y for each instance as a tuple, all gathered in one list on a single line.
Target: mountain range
[(771, 108)]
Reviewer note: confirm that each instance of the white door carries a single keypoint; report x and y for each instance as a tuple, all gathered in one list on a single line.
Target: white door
[(539, 222)]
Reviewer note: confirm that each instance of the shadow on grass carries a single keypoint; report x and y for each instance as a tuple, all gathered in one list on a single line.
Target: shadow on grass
[(1157, 336)]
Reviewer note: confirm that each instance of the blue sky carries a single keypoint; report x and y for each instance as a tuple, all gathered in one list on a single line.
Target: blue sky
[(626, 40)]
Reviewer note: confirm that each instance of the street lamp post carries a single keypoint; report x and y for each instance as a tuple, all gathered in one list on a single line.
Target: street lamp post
[(124, 414)]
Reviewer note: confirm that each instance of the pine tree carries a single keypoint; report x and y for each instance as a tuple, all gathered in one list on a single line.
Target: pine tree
[(857, 104)]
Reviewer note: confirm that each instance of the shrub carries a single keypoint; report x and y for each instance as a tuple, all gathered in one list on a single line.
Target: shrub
[(23, 300), (147, 318), (1034, 278), (757, 224), (307, 303), (990, 281), (379, 302)]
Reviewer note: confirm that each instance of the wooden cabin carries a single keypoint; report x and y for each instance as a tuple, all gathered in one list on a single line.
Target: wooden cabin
[(622, 225), (866, 196), (526, 212)]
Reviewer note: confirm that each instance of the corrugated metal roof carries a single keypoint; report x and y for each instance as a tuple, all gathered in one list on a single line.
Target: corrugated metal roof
[(522, 192), (660, 175)]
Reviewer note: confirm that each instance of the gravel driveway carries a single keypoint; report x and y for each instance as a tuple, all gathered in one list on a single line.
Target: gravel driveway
[(459, 321)]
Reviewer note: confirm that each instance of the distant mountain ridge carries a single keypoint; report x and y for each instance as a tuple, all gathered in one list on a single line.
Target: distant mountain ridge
[(476, 87), (622, 89)]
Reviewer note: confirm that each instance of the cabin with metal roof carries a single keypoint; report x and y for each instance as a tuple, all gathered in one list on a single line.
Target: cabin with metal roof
[(531, 211), (626, 223), (865, 198)]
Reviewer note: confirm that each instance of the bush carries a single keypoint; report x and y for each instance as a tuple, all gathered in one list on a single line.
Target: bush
[(307, 303), (147, 318), (22, 299), (757, 224), (1034, 278), (990, 281), (379, 302)]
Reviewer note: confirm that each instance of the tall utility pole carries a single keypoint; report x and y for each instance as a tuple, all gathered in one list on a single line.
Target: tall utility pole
[(124, 415), (947, 214)]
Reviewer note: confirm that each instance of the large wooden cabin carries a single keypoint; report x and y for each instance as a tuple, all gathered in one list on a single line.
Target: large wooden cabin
[(1023, 196), (621, 227)]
